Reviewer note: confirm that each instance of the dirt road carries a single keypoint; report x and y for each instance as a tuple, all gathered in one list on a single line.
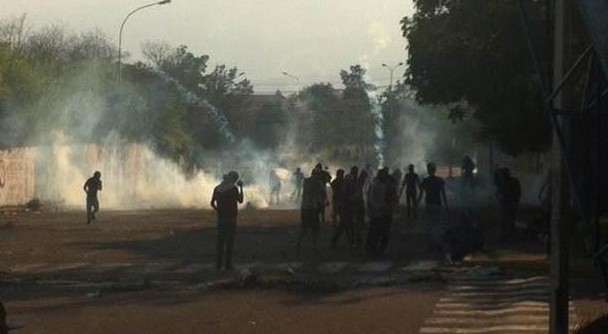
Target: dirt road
[(62, 276)]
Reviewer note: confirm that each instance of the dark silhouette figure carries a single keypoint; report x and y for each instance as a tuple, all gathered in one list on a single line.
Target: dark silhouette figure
[(224, 201), (338, 189), (433, 190), (91, 187), (337, 195), (468, 166), (411, 184), (508, 194), (326, 179), (354, 212), (296, 180), (314, 198), (274, 183), (382, 195)]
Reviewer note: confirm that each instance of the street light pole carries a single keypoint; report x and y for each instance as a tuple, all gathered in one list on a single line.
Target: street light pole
[(123, 25), (391, 69), (293, 77)]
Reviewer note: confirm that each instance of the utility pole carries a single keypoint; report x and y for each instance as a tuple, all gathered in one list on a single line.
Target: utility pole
[(559, 299)]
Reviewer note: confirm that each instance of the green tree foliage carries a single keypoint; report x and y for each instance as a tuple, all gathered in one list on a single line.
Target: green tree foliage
[(474, 53), (192, 130), (54, 82), (358, 116), (337, 125)]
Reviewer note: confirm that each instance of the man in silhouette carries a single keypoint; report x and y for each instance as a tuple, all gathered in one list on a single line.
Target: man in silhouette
[(91, 187), (314, 198), (411, 184), (432, 189), (381, 197), (274, 183), (338, 208), (226, 197), (326, 179), (296, 180), (468, 166)]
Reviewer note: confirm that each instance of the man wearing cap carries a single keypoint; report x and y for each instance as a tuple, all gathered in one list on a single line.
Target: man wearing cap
[(224, 201), (91, 187)]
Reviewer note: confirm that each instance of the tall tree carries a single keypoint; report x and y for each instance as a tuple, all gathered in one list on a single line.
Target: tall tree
[(474, 52)]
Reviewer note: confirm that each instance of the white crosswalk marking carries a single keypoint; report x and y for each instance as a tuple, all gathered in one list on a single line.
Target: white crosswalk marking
[(493, 304)]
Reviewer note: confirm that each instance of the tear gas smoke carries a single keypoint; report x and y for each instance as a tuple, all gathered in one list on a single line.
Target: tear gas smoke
[(379, 144), (218, 117)]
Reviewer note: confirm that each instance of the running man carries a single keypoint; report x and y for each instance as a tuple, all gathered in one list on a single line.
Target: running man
[(91, 187)]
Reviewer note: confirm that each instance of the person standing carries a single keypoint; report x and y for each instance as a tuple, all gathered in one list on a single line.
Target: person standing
[(274, 183), (296, 181), (226, 197), (314, 198), (468, 166), (338, 203), (91, 187), (432, 189), (326, 179), (380, 198), (411, 184)]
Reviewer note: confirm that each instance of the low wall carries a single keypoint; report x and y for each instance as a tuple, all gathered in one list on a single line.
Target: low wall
[(17, 176)]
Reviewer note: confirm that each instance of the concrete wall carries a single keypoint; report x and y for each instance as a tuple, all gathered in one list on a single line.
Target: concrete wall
[(17, 176)]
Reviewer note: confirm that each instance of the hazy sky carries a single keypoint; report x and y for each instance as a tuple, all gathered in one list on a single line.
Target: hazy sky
[(311, 39)]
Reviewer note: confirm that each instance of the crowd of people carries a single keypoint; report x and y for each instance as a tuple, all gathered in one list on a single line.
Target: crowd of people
[(361, 201), (358, 194)]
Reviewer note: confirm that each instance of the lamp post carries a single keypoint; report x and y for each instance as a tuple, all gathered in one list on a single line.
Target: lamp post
[(293, 77), (163, 2), (391, 69)]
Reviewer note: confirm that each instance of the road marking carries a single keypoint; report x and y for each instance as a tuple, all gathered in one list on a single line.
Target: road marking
[(493, 304)]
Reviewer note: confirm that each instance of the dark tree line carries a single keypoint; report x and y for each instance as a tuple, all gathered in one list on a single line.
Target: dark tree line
[(472, 56)]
